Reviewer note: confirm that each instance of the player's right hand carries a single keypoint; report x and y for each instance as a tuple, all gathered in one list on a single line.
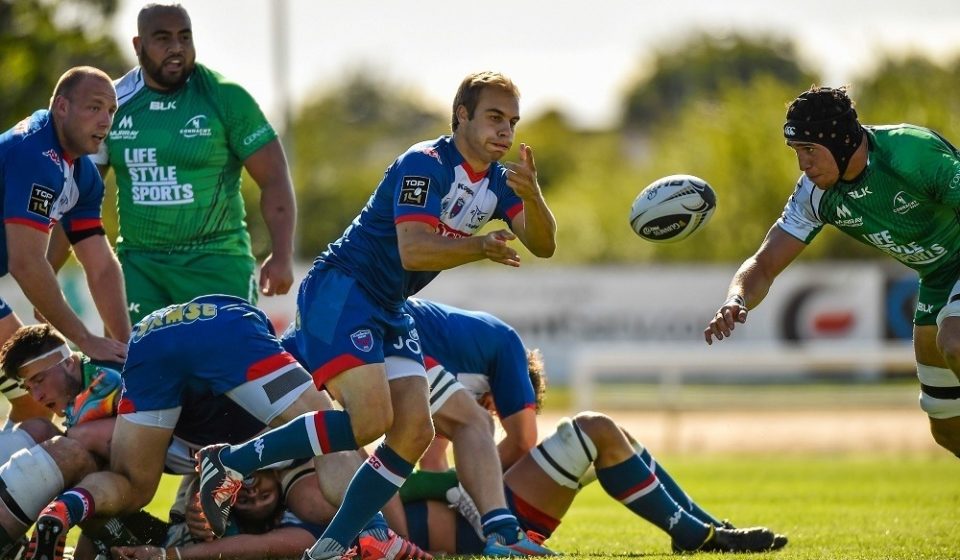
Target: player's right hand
[(495, 247), (732, 311), (104, 349)]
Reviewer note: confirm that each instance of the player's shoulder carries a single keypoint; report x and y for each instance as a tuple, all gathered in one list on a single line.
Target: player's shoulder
[(435, 154), (129, 85), (907, 148), (27, 138), (216, 83)]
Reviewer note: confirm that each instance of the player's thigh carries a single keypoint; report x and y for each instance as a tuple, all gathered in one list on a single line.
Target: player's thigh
[(310, 400), (925, 346), (146, 281), (232, 275), (137, 452), (364, 393), (460, 410), (528, 482)]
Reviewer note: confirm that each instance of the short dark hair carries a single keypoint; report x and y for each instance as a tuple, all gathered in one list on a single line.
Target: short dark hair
[(468, 94), (538, 376), (27, 343), (147, 11), (74, 77)]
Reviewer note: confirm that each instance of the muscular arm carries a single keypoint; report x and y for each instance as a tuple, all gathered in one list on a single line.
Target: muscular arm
[(268, 167), (422, 249), (752, 281), (58, 251), (105, 281), (28, 265), (521, 436)]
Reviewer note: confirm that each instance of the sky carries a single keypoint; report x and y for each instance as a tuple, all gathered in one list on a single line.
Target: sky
[(576, 56)]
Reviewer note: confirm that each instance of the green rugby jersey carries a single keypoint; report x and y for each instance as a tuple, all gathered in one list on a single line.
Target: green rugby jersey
[(178, 158), (906, 202)]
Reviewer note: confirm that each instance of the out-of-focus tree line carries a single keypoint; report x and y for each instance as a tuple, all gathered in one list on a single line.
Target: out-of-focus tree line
[(712, 106)]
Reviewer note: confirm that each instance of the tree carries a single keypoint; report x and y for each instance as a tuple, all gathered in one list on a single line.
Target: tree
[(40, 39), (700, 68), (344, 140)]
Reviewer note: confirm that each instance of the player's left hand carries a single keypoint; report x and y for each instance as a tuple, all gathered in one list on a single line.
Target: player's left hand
[(522, 177), (276, 275)]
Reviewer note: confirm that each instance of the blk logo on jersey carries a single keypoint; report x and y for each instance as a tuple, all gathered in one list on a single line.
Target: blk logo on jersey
[(41, 200), (413, 191), (363, 340)]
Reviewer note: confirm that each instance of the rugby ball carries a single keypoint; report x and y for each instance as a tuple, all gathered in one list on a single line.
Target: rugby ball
[(672, 208)]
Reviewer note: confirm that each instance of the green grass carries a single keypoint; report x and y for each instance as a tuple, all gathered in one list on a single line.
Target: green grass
[(853, 507), (850, 506)]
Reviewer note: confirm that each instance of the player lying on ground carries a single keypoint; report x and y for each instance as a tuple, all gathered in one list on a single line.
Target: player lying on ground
[(172, 351), (540, 487)]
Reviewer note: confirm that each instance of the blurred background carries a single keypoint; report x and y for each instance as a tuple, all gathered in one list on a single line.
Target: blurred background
[(614, 97)]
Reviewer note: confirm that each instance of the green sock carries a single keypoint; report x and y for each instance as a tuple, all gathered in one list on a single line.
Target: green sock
[(428, 485)]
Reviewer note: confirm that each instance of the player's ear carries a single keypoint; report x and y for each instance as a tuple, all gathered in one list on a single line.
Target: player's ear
[(462, 114), (136, 45)]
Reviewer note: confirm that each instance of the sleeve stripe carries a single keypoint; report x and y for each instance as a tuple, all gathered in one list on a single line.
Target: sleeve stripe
[(30, 223)]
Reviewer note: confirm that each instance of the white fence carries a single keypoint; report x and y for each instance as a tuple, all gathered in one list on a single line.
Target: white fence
[(670, 363)]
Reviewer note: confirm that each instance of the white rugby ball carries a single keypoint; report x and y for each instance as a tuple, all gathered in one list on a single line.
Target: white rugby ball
[(672, 208)]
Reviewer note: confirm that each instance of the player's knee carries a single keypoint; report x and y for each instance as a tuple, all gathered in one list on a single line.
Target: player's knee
[(30, 479), (946, 437), (371, 424), (567, 453), (40, 429), (600, 427)]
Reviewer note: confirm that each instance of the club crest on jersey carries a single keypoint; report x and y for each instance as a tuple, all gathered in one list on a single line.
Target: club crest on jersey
[(53, 155), (196, 127), (902, 203), (413, 191), (41, 200), (363, 340), (432, 152)]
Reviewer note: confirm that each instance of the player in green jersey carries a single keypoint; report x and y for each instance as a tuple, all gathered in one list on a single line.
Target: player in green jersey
[(179, 142), (896, 188)]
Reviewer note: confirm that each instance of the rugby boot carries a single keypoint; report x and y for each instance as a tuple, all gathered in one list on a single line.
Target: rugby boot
[(219, 485)]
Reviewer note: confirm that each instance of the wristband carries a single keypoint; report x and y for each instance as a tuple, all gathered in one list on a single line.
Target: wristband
[(735, 299), (163, 553)]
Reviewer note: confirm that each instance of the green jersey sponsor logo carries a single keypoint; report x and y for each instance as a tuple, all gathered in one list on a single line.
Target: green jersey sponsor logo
[(124, 130), (153, 184), (910, 253)]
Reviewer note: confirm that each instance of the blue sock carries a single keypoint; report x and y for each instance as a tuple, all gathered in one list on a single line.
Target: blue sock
[(309, 435), (377, 527), (78, 504), (635, 486), (376, 481), (501, 522), (677, 493)]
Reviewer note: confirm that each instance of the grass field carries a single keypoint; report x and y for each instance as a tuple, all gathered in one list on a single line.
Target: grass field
[(849, 506), (896, 500)]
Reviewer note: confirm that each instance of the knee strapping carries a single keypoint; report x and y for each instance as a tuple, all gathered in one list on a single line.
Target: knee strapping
[(939, 392), (566, 454), (30, 479), (13, 441)]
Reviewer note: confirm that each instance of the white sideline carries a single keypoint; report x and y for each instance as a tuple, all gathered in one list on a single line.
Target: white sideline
[(672, 361)]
